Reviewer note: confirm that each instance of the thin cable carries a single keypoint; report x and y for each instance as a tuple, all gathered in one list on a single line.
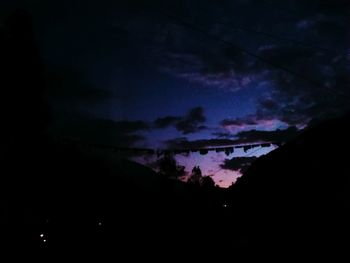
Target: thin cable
[(258, 57), (287, 12), (273, 36)]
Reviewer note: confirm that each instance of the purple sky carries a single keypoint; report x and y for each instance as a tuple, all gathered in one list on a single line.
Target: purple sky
[(177, 73)]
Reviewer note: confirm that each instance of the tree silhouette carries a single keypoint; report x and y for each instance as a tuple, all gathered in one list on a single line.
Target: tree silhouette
[(207, 182), (169, 167), (196, 176)]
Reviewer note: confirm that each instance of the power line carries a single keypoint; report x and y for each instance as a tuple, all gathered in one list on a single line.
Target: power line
[(258, 57), (201, 31), (290, 40), (252, 54), (287, 12), (273, 36), (80, 143)]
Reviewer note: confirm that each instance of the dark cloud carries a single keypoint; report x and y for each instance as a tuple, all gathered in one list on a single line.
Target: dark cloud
[(239, 122), (165, 122), (238, 163), (225, 139), (183, 143), (306, 60), (320, 66), (267, 136), (269, 104), (192, 122), (211, 70), (196, 58), (225, 135), (318, 27)]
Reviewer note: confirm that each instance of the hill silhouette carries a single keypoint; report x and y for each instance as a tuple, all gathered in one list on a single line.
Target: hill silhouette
[(296, 198), (84, 199)]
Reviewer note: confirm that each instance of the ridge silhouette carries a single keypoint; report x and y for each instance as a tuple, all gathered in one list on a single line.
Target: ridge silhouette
[(296, 199)]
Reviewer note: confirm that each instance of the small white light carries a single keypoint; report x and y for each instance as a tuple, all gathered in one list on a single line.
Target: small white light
[(41, 235), (44, 240), (100, 223)]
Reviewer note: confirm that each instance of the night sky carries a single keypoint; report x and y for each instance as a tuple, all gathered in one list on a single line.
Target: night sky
[(182, 74)]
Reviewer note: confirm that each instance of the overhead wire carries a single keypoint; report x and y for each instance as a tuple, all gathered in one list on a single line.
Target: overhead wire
[(298, 75)]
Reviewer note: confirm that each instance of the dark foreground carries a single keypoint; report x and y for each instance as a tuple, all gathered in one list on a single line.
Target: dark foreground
[(294, 200)]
